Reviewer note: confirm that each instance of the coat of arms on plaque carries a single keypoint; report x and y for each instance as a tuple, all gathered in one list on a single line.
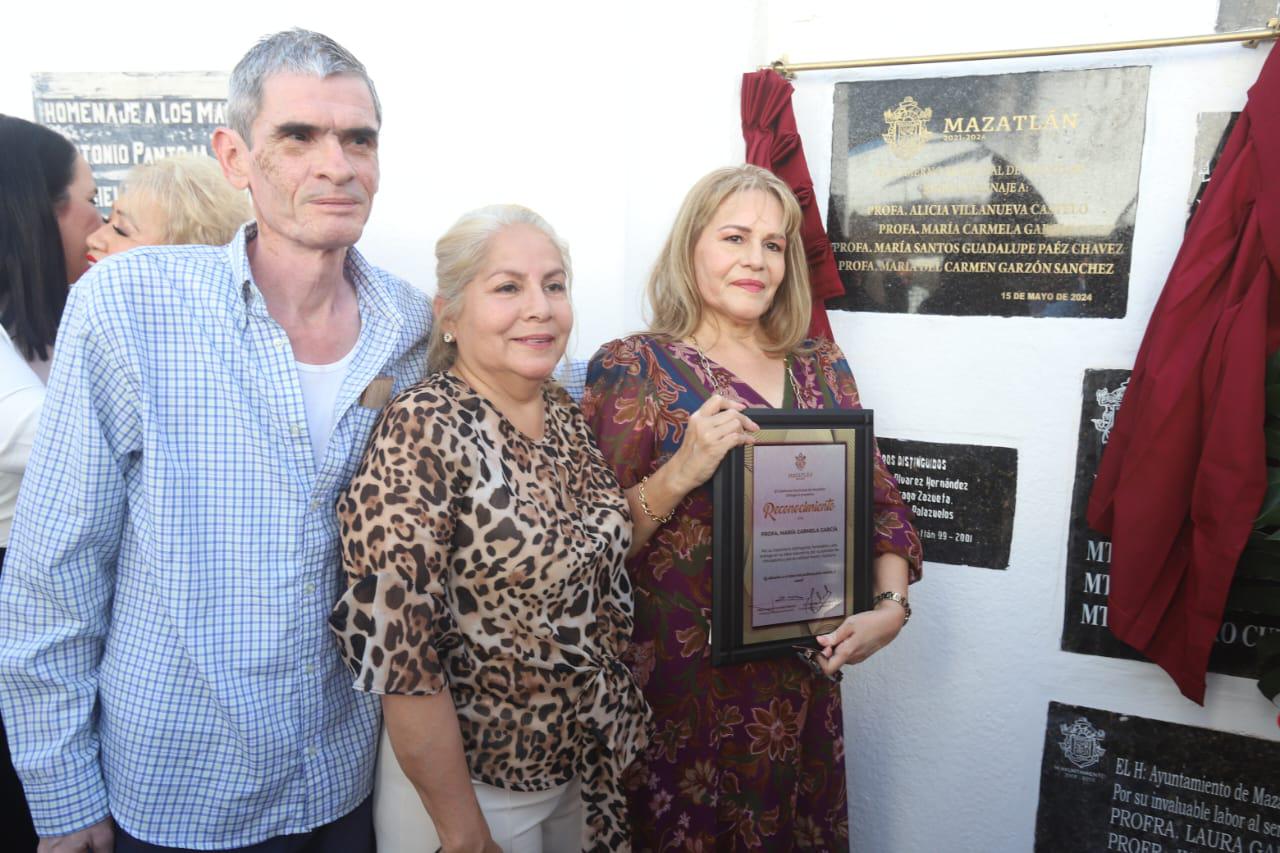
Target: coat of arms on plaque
[(1109, 402), (1080, 743), (907, 131)]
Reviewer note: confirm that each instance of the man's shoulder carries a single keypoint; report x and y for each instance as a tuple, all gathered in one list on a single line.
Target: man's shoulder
[(400, 296), (130, 273), (149, 278), (409, 299), (151, 260)]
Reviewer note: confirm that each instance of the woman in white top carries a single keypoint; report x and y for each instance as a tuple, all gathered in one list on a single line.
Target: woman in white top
[(46, 216)]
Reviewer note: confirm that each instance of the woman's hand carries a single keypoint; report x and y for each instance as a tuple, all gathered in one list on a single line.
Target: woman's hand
[(863, 634), (713, 430), (858, 638)]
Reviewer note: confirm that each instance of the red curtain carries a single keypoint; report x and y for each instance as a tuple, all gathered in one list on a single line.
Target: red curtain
[(769, 128), (1184, 472)]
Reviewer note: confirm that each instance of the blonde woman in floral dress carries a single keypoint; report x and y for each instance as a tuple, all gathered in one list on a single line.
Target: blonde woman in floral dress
[(750, 756)]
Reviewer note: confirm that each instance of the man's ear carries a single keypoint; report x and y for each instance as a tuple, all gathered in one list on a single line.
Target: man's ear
[(233, 155)]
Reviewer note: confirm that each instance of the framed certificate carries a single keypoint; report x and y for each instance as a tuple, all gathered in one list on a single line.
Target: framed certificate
[(791, 532)]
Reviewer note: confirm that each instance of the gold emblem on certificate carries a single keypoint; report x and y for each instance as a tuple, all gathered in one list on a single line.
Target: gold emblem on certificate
[(791, 546)]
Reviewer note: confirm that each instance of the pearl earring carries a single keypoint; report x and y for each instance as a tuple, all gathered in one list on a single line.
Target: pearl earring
[(448, 337)]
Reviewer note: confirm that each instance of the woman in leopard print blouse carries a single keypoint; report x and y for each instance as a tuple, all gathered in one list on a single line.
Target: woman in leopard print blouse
[(484, 540)]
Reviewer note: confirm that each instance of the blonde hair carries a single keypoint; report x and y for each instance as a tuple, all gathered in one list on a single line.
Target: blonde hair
[(197, 203), (675, 306), (460, 256)]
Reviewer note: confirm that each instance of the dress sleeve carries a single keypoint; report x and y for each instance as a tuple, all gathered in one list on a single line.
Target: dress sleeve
[(895, 533), (396, 522), (624, 408)]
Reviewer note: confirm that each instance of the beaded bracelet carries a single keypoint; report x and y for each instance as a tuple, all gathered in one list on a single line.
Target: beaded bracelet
[(644, 505)]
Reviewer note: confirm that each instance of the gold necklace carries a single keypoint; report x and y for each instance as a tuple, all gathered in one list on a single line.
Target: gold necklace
[(706, 367)]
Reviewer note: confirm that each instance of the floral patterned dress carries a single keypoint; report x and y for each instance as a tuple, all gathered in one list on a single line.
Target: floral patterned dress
[(743, 757)]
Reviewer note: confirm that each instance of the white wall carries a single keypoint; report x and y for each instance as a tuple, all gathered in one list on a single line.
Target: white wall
[(945, 727), (601, 119), (598, 119)]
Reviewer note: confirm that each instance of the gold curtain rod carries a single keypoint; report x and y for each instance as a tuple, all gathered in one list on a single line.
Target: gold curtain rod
[(1249, 37)]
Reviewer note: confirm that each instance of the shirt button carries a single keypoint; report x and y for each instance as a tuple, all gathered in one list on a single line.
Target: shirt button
[(311, 752), (309, 589), (311, 668), (295, 429), (315, 503), (281, 343)]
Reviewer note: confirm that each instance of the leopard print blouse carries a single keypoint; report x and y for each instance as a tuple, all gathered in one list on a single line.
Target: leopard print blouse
[(484, 562)]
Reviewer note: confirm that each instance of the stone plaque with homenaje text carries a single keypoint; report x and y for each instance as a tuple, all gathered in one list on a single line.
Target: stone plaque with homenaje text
[(1006, 195), (121, 120)]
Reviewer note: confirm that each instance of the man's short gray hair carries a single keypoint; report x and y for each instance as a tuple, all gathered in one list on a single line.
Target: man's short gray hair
[(295, 51)]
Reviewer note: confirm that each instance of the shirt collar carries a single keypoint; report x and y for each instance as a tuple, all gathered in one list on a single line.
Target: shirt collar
[(373, 286), (242, 274)]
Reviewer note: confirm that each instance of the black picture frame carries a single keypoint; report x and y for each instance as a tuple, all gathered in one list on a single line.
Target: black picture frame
[(733, 639)]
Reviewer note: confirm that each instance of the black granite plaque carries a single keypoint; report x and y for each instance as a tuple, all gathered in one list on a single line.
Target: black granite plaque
[(1084, 621), (1244, 14), (1115, 782), (118, 121), (1007, 195), (1084, 624), (1212, 132), (962, 496)]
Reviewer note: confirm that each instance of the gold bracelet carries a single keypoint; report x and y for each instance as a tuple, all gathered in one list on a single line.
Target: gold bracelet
[(644, 505), (894, 596)]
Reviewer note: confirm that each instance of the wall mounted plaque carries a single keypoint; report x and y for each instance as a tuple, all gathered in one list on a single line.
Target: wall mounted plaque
[(1113, 781), (962, 496), (120, 120), (1212, 132), (1007, 195), (1084, 619)]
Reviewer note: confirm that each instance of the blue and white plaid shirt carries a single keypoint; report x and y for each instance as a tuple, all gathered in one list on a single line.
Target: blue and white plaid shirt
[(572, 374), (164, 650)]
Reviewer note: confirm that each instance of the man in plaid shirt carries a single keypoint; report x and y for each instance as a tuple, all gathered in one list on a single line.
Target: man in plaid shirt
[(167, 676)]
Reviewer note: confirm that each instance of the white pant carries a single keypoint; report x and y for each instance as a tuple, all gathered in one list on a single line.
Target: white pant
[(533, 821), (520, 821)]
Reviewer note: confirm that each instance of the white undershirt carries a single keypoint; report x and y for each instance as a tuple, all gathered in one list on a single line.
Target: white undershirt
[(320, 385)]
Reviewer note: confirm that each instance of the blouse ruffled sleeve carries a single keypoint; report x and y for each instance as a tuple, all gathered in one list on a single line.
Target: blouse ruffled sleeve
[(396, 524), (895, 532), (624, 408)]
